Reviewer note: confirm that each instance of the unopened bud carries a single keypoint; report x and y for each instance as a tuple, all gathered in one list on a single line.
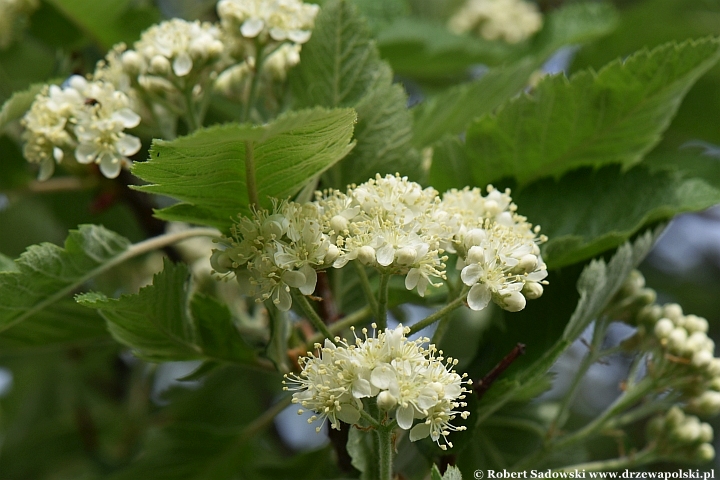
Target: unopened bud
[(332, 254), (406, 256), (366, 255), (663, 328), (159, 65), (514, 302), (338, 223), (386, 401), (532, 290), (132, 62)]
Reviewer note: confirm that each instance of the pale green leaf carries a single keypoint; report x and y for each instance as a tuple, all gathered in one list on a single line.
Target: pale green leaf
[(7, 264), (46, 273), (165, 322), (600, 281), (451, 111), (614, 116), (341, 67), (206, 170)]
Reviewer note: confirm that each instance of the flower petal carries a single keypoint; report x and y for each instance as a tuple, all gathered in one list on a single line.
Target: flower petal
[(182, 64), (478, 297), (405, 417), (419, 431), (128, 145), (252, 27)]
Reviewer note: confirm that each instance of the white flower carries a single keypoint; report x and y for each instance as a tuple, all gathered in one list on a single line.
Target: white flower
[(510, 20), (176, 45), (498, 265), (277, 20), (409, 381), (88, 116), (99, 126)]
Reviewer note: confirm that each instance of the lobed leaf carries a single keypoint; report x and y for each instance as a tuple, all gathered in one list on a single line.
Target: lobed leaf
[(206, 170), (165, 322), (593, 119)]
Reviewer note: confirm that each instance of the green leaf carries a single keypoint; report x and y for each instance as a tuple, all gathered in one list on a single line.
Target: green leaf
[(450, 167), (574, 24), (165, 322), (16, 106), (7, 264), (614, 116), (206, 170), (341, 68), (451, 111), (427, 50), (66, 324), (110, 21), (46, 273), (600, 210), (435, 473)]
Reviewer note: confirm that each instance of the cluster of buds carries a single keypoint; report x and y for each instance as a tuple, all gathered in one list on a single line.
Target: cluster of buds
[(13, 13), (89, 118), (510, 20), (681, 437), (406, 380), (396, 227)]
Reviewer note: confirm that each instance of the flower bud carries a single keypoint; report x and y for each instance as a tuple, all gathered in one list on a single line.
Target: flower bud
[(220, 262), (532, 290), (676, 340), (159, 65), (132, 62), (366, 255), (332, 254), (688, 431), (693, 324), (514, 302), (674, 312), (704, 453), (386, 401), (707, 404), (527, 263), (338, 223), (663, 328), (701, 359), (406, 256)]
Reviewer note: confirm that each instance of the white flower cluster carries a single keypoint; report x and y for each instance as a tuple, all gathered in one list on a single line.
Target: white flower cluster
[(13, 12), (680, 348), (268, 20), (682, 437), (174, 47), (510, 20), (86, 117), (396, 227), (407, 380)]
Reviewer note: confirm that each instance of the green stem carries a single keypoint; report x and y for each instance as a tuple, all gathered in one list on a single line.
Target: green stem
[(383, 301), (385, 453), (351, 320), (370, 419), (191, 117), (312, 315), (257, 71), (366, 287), (134, 250), (626, 400), (641, 458), (250, 180), (592, 356), (430, 319)]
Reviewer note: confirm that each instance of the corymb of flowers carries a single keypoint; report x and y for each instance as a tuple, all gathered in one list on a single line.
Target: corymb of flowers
[(396, 227), (407, 380)]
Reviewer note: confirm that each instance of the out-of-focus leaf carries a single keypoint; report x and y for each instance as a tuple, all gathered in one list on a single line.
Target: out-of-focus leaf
[(341, 68), (451, 111), (614, 116), (23, 64), (206, 170), (16, 106), (165, 322), (65, 324), (600, 210), (47, 273), (110, 21), (362, 447)]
